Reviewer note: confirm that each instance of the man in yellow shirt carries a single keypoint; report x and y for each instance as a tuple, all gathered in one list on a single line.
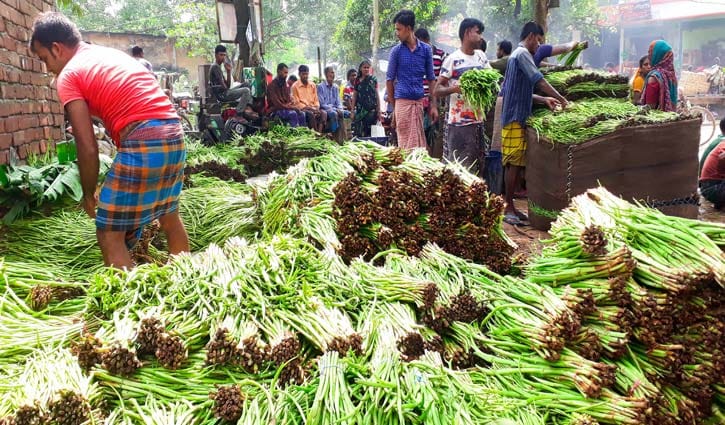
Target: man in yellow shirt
[(638, 81), (304, 96)]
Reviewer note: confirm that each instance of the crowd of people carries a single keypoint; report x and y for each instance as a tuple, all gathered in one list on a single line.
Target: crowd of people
[(145, 179)]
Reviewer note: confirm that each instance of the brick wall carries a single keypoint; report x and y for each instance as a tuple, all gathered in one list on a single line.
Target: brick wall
[(30, 116), (158, 50)]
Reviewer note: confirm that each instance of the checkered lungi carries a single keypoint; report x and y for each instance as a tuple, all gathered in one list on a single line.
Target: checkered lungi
[(513, 144), (145, 179)]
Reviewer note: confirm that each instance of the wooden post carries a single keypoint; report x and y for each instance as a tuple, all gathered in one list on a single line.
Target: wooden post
[(541, 12), (319, 63), (376, 35)]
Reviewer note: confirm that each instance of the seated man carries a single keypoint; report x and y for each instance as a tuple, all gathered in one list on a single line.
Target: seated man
[(304, 96), (712, 176), (279, 101), (329, 96), (221, 87)]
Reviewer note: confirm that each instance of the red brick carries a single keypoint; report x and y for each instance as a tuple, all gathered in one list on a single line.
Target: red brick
[(26, 108), (2, 24), (4, 157), (16, 108), (4, 109), (3, 77), (34, 147), (58, 119), (29, 122), (39, 79), (48, 133), (6, 140), (56, 108), (56, 133), (44, 106), (36, 133), (2, 126), (13, 59), (23, 151), (12, 76), (19, 138), (12, 123), (11, 3)]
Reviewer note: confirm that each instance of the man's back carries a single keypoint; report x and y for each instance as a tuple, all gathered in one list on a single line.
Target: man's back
[(117, 88), (518, 90)]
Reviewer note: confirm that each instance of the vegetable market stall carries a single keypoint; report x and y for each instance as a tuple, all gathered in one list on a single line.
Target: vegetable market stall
[(643, 155), (294, 311)]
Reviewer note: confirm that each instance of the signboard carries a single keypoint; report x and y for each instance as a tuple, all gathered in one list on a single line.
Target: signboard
[(636, 10), (226, 20)]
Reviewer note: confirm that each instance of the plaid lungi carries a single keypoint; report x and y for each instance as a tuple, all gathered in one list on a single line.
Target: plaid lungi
[(145, 179), (513, 144)]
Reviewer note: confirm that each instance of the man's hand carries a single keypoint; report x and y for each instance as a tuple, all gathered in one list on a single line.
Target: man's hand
[(228, 66), (89, 204), (583, 44), (551, 103), (433, 113)]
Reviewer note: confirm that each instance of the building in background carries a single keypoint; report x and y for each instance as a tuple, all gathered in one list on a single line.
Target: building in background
[(694, 29)]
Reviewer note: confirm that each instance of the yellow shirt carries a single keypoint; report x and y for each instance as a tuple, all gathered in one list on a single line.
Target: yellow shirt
[(305, 96), (638, 83)]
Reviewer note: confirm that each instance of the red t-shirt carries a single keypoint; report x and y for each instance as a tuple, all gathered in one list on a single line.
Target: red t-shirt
[(116, 87), (652, 94), (714, 168)]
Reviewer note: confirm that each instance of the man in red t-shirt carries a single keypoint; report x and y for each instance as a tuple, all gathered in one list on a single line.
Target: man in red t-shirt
[(712, 177), (145, 180)]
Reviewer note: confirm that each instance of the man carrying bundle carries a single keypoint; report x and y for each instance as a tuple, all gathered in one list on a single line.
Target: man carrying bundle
[(464, 135), (145, 180), (522, 77)]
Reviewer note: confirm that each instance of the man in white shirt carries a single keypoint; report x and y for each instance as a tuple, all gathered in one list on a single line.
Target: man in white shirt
[(464, 133)]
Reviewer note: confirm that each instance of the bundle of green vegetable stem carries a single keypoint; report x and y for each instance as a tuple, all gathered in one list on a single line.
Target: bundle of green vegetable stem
[(361, 199), (480, 88), (578, 84), (590, 118)]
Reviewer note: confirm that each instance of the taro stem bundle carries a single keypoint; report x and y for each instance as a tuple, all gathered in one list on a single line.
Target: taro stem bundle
[(333, 403), (22, 330), (236, 341), (50, 388), (479, 88), (666, 254), (327, 328)]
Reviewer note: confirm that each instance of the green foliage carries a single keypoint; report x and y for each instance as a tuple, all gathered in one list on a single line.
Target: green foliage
[(498, 16), (195, 28), (352, 36), (30, 186)]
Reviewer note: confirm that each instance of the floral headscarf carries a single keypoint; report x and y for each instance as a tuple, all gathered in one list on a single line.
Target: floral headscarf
[(663, 69)]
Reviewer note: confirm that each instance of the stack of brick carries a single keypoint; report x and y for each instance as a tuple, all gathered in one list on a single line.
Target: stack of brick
[(31, 119)]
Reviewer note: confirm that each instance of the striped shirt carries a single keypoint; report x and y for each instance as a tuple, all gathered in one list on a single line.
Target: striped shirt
[(518, 87), (438, 57)]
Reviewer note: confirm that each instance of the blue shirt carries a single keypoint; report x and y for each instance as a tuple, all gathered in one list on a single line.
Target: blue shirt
[(329, 96), (543, 52), (518, 87), (409, 69)]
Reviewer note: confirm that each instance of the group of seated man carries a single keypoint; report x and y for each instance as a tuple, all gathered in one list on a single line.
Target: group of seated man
[(303, 104)]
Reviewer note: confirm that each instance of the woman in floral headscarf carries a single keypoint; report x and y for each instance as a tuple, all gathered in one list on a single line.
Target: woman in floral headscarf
[(661, 90)]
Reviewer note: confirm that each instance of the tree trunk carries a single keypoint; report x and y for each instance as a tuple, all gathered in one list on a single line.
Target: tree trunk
[(376, 34), (541, 12)]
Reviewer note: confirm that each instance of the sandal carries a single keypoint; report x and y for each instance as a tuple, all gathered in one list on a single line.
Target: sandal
[(522, 216), (512, 219)]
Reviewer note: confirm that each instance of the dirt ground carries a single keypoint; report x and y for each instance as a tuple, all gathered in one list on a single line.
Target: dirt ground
[(529, 239)]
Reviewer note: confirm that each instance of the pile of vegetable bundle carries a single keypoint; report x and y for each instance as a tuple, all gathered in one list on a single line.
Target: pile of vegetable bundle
[(654, 285), (29, 187), (262, 153), (589, 118), (361, 199), (480, 87), (575, 84)]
